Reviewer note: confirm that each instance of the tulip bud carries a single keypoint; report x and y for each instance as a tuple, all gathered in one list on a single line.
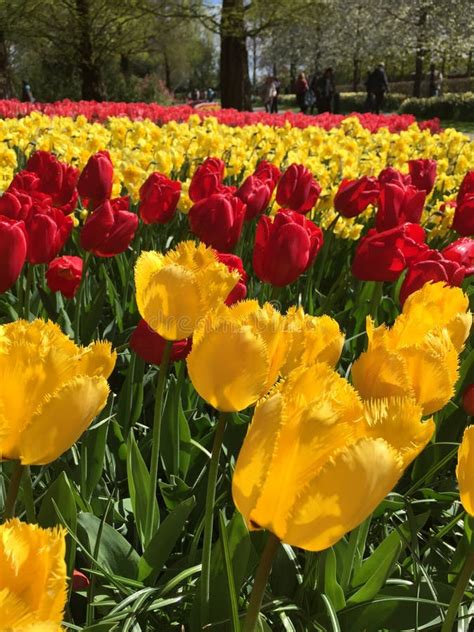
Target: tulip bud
[(255, 194), (468, 400), (297, 189), (207, 179), (96, 179), (267, 172), (109, 230), (397, 205), (217, 221), (285, 247), (64, 275), (48, 231), (150, 346), (159, 197), (13, 248), (423, 174), (354, 196)]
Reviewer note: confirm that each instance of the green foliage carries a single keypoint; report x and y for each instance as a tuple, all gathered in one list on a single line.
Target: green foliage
[(456, 107)]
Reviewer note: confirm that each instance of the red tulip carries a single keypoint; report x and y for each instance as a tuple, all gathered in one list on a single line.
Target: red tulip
[(150, 346), (398, 204), (233, 262), (463, 221), (207, 179), (57, 179), (285, 248), (383, 256), (389, 174), (79, 580), (267, 172), (430, 266), (461, 251), (48, 230), (354, 196), (95, 182), (297, 189), (423, 174), (109, 230), (26, 181), (468, 400), (64, 275), (217, 221), (13, 248), (255, 194), (159, 197)]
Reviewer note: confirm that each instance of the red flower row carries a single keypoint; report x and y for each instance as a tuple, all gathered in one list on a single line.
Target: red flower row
[(101, 111)]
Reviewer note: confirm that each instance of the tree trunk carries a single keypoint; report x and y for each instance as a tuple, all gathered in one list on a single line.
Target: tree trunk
[(5, 79), (254, 63), (420, 52), (355, 74), (167, 71), (92, 88), (234, 69)]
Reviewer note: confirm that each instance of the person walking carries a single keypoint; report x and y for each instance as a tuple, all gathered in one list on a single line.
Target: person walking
[(301, 88), (326, 91), (26, 92), (435, 81), (377, 87), (269, 94), (274, 103)]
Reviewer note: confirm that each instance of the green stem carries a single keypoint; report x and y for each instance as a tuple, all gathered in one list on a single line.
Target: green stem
[(209, 518), (156, 437), (261, 579), (375, 300), (179, 385), (77, 319), (327, 245), (30, 275), (13, 488), (459, 590)]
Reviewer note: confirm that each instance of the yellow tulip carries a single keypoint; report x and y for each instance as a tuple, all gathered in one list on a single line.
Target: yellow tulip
[(418, 356), (50, 390), (316, 461), (311, 339), (174, 291), (465, 470), (237, 354), (33, 583)]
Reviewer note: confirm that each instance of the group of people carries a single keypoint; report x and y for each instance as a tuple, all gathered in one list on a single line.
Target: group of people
[(201, 95), (320, 93)]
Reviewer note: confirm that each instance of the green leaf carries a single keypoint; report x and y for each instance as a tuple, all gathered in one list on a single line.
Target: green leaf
[(332, 587), (138, 478), (229, 574), (162, 543), (61, 495), (115, 554), (374, 571), (94, 454)]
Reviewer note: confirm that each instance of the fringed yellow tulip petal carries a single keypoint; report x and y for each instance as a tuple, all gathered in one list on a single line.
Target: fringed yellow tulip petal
[(236, 355), (33, 581), (465, 470), (37, 361), (219, 368), (432, 307), (61, 420), (319, 416), (256, 453), (399, 422), (176, 290), (379, 372), (342, 494), (432, 370), (97, 359), (311, 339)]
